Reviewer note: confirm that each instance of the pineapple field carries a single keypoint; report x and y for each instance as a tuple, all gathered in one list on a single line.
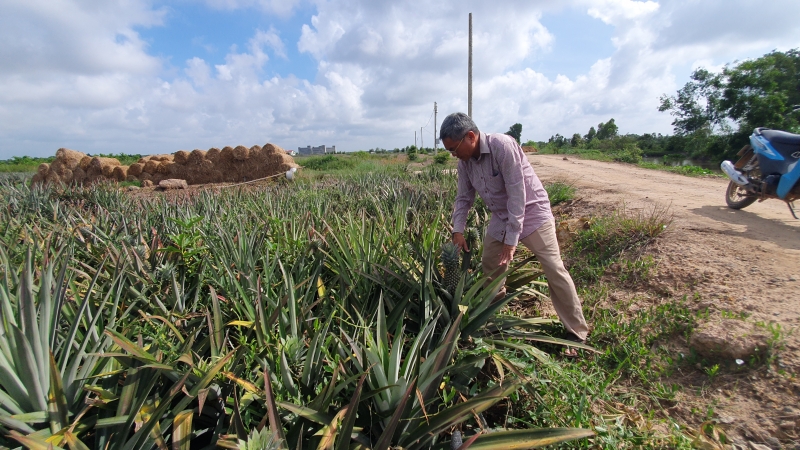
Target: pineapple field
[(328, 313)]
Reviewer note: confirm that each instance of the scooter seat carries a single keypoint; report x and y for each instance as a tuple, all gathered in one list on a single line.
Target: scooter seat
[(779, 137)]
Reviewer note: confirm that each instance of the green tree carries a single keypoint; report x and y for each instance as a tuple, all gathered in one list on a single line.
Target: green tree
[(515, 131), (753, 93), (608, 130), (591, 134), (576, 141)]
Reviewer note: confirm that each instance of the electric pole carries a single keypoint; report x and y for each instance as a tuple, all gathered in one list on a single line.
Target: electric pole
[(469, 73), (435, 141), (415, 138), (421, 144)]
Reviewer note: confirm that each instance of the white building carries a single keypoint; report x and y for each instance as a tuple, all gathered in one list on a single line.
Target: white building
[(321, 150)]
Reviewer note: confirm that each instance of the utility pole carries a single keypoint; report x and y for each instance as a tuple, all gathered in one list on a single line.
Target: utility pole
[(421, 144), (435, 141), (469, 73), (415, 138)]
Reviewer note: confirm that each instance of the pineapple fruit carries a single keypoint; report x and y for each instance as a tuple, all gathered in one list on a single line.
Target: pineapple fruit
[(450, 260)]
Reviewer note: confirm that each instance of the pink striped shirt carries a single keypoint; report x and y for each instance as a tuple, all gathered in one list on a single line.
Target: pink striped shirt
[(504, 178)]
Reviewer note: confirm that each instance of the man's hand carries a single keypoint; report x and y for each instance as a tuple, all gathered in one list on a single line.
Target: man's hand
[(458, 239), (507, 254)]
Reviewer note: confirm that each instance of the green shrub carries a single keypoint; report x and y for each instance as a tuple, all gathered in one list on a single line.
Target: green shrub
[(631, 153), (559, 192), (610, 238), (441, 158), (328, 162)]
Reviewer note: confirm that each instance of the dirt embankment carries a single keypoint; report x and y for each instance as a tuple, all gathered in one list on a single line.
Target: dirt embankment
[(729, 262)]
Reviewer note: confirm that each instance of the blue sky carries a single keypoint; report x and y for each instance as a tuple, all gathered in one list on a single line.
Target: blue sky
[(147, 76)]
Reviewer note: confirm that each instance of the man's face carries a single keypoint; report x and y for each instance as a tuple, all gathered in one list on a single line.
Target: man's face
[(462, 149)]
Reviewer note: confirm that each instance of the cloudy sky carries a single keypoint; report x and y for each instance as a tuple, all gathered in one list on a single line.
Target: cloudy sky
[(148, 76)]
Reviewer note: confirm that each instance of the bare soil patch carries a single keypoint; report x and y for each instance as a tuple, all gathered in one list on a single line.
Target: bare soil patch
[(743, 265)]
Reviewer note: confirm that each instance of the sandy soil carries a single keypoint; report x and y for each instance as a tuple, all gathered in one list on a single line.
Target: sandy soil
[(745, 261)]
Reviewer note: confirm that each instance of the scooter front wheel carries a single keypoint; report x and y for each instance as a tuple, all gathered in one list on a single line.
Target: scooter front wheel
[(737, 197)]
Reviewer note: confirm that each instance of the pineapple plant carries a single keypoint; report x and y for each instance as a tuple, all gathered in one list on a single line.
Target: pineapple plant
[(450, 262), (261, 440)]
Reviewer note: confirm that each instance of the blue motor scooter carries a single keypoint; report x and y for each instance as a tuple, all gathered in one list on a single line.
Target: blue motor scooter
[(767, 168)]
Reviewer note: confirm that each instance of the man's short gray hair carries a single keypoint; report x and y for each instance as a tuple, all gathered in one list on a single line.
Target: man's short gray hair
[(456, 126)]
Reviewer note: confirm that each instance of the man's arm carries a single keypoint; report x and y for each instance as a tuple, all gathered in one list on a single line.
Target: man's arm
[(465, 198), (513, 176)]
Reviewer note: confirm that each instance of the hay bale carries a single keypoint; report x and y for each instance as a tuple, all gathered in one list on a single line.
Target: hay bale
[(99, 162), (37, 178), (196, 157), (85, 161), (52, 178), (213, 154), (65, 175), (147, 183), (92, 173), (159, 158), (43, 169), (69, 158), (272, 149), (78, 175), (284, 167), (135, 169), (216, 177), (143, 160), (145, 176), (181, 156), (61, 168), (131, 177), (195, 173), (226, 154), (108, 170), (255, 151), (178, 171), (240, 153), (164, 167), (56, 166), (120, 173), (151, 166)]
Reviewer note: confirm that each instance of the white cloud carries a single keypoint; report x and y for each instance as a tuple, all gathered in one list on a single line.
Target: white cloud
[(616, 12), (281, 8), (82, 77)]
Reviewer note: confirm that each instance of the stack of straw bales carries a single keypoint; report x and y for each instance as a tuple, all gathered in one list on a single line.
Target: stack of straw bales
[(71, 166), (196, 167)]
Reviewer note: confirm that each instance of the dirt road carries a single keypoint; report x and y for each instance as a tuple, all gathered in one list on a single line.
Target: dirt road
[(697, 202), (730, 262), (756, 249)]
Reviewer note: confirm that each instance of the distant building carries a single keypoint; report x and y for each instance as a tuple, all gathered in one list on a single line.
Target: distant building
[(321, 150)]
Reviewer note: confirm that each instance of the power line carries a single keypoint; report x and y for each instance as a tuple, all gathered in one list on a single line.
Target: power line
[(429, 120)]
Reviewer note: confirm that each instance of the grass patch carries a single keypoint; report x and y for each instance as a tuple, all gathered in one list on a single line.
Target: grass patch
[(611, 237), (23, 164), (617, 392), (633, 156), (353, 163), (30, 164), (691, 171), (559, 192)]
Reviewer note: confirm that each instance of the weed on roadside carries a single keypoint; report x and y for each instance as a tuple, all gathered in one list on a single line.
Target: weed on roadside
[(610, 238), (559, 192)]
